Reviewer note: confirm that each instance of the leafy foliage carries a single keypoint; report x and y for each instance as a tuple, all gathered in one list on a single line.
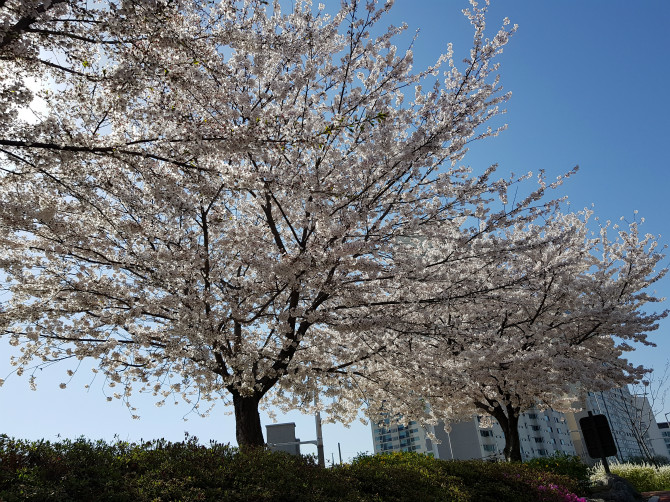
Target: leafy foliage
[(560, 463), (265, 201), (226, 190), (160, 470), (657, 460), (401, 476), (643, 476)]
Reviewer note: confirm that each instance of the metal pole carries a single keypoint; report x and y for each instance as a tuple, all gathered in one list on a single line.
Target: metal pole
[(319, 435), (606, 465), (451, 449), (600, 447), (339, 450)]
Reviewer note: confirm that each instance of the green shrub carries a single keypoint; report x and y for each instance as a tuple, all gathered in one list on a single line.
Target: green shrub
[(493, 482), (655, 460), (402, 476), (566, 465), (644, 477), (473, 480), (187, 471), (44, 471)]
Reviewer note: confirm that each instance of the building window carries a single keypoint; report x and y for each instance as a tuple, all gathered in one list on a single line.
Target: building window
[(539, 440), (486, 434), (489, 447)]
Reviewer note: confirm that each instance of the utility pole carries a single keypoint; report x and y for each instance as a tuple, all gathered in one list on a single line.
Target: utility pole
[(319, 434)]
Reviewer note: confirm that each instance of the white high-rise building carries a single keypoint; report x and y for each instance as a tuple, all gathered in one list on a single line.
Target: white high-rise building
[(634, 429), (388, 437), (542, 433), (664, 429)]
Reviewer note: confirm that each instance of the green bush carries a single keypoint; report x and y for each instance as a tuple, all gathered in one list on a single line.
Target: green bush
[(493, 482), (655, 460), (566, 465), (644, 477), (473, 480), (154, 471), (403, 476), (67, 470), (159, 470)]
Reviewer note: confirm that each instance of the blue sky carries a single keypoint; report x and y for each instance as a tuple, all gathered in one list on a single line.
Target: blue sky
[(590, 84)]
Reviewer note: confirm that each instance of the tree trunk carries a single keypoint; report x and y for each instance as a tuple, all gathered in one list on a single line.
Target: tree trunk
[(509, 422), (247, 421)]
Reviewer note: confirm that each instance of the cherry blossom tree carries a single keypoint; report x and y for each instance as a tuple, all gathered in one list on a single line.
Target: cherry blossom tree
[(224, 200), (23, 17), (31, 32), (559, 313)]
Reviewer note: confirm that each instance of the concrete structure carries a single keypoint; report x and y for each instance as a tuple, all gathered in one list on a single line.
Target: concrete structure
[(281, 437)]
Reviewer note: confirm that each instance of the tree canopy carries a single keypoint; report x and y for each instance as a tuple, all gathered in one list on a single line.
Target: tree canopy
[(225, 199), (560, 311)]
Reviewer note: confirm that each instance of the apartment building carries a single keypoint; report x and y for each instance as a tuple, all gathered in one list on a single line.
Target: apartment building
[(631, 419), (389, 437), (542, 433), (664, 429)]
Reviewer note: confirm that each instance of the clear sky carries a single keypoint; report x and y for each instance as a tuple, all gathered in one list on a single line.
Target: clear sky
[(590, 83)]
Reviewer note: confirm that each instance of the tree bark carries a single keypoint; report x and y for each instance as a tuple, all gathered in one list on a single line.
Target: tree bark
[(508, 419), (248, 429)]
